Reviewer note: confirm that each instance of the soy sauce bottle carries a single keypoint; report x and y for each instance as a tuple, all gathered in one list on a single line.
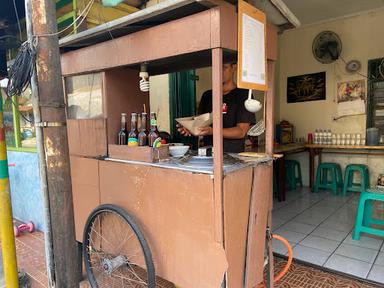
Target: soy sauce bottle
[(132, 136), (153, 133), (143, 135), (123, 133)]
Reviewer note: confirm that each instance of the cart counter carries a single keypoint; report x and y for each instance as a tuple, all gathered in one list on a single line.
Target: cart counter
[(231, 164), (175, 207)]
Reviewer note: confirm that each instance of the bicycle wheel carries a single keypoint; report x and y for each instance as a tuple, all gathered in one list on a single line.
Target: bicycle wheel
[(115, 251)]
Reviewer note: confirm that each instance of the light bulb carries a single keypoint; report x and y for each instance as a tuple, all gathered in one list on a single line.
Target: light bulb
[(144, 78)]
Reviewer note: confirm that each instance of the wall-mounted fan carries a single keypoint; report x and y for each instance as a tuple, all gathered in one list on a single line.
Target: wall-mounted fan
[(326, 47), (353, 66)]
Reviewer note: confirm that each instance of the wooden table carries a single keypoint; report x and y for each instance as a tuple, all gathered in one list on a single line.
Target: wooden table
[(279, 165), (317, 150)]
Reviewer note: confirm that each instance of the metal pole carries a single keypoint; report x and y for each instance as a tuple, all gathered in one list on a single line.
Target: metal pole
[(41, 154), (6, 221), (54, 135)]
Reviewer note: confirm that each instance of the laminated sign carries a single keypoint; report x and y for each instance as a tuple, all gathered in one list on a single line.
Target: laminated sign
[(252, 59)]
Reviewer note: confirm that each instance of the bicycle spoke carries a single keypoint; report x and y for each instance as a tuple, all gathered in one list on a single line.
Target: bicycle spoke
[(111, 235), (134, 273)]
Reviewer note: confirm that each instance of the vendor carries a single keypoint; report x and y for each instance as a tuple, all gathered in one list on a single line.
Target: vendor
[(236, 119)]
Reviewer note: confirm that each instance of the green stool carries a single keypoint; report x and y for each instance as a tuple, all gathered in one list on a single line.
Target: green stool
[(349, 184), (293, 174), (322, 181), (364, 217)]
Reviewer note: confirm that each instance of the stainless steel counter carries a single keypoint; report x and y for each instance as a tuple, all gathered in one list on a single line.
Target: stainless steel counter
[(178, 164)]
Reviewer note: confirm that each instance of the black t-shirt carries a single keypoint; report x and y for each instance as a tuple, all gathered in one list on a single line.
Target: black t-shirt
[(234, 112)]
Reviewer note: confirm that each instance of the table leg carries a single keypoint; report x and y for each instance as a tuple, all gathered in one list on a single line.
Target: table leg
[(281, 179), (311, 168), (318, 152)]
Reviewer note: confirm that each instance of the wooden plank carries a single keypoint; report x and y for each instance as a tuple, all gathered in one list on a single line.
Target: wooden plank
[(259, 211), (272, 48), (175, 211), (186, 35), (87, 137), (85, 189), (224, 27), (351, 147), (217, 111), (270, 109), (118, 99), (237, 194)]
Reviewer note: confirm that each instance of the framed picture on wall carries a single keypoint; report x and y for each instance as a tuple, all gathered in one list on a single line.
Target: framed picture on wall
[(308, 87)]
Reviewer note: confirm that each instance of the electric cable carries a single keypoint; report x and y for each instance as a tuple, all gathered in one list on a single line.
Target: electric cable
[(83, 14), (18, 19), (380, 69), (21, 70)]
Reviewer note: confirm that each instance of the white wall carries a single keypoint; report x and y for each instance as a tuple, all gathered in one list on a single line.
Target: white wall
[(362, 39)]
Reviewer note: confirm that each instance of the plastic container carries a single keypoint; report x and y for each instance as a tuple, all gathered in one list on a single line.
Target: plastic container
[(372, 137)]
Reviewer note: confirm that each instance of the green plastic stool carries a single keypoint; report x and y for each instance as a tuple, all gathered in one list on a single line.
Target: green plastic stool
[(349, 184), (322, 181), (364, 217), (293, 174)]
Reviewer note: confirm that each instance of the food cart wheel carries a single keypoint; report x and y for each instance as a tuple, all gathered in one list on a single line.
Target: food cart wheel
[(115, 251)]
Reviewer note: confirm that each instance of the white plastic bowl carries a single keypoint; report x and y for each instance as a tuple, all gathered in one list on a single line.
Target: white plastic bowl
[(178, 151)]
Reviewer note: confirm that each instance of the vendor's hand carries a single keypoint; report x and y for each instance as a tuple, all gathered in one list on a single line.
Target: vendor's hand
[(204, 131), (182, 130)]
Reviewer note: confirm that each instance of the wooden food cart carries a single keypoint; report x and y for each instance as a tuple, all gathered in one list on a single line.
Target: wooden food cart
[(201, 225)]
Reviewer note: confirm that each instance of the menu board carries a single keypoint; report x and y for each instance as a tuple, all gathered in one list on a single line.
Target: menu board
[(252, 61)]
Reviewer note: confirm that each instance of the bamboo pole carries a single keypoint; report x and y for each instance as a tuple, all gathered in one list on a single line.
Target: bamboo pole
[(6, 221)]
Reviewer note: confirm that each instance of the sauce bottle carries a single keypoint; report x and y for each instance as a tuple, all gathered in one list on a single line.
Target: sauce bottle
[(132, 136), (154, 133), (123, 133), (143, 135)]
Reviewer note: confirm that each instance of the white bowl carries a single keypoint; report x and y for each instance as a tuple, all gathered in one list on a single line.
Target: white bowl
[(178, 151), (176, 144)]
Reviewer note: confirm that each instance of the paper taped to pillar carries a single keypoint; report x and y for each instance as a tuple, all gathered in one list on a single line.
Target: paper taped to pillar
[(194, 123), (351, 98), (252, 56)]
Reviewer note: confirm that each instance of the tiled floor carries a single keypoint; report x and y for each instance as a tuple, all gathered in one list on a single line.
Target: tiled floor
[(30, 258), (319, 227)]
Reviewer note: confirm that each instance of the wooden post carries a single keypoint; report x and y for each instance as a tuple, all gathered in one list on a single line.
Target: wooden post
[(53, 121), (41, 154), (270, 109), (217, 111), (269, 136)]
